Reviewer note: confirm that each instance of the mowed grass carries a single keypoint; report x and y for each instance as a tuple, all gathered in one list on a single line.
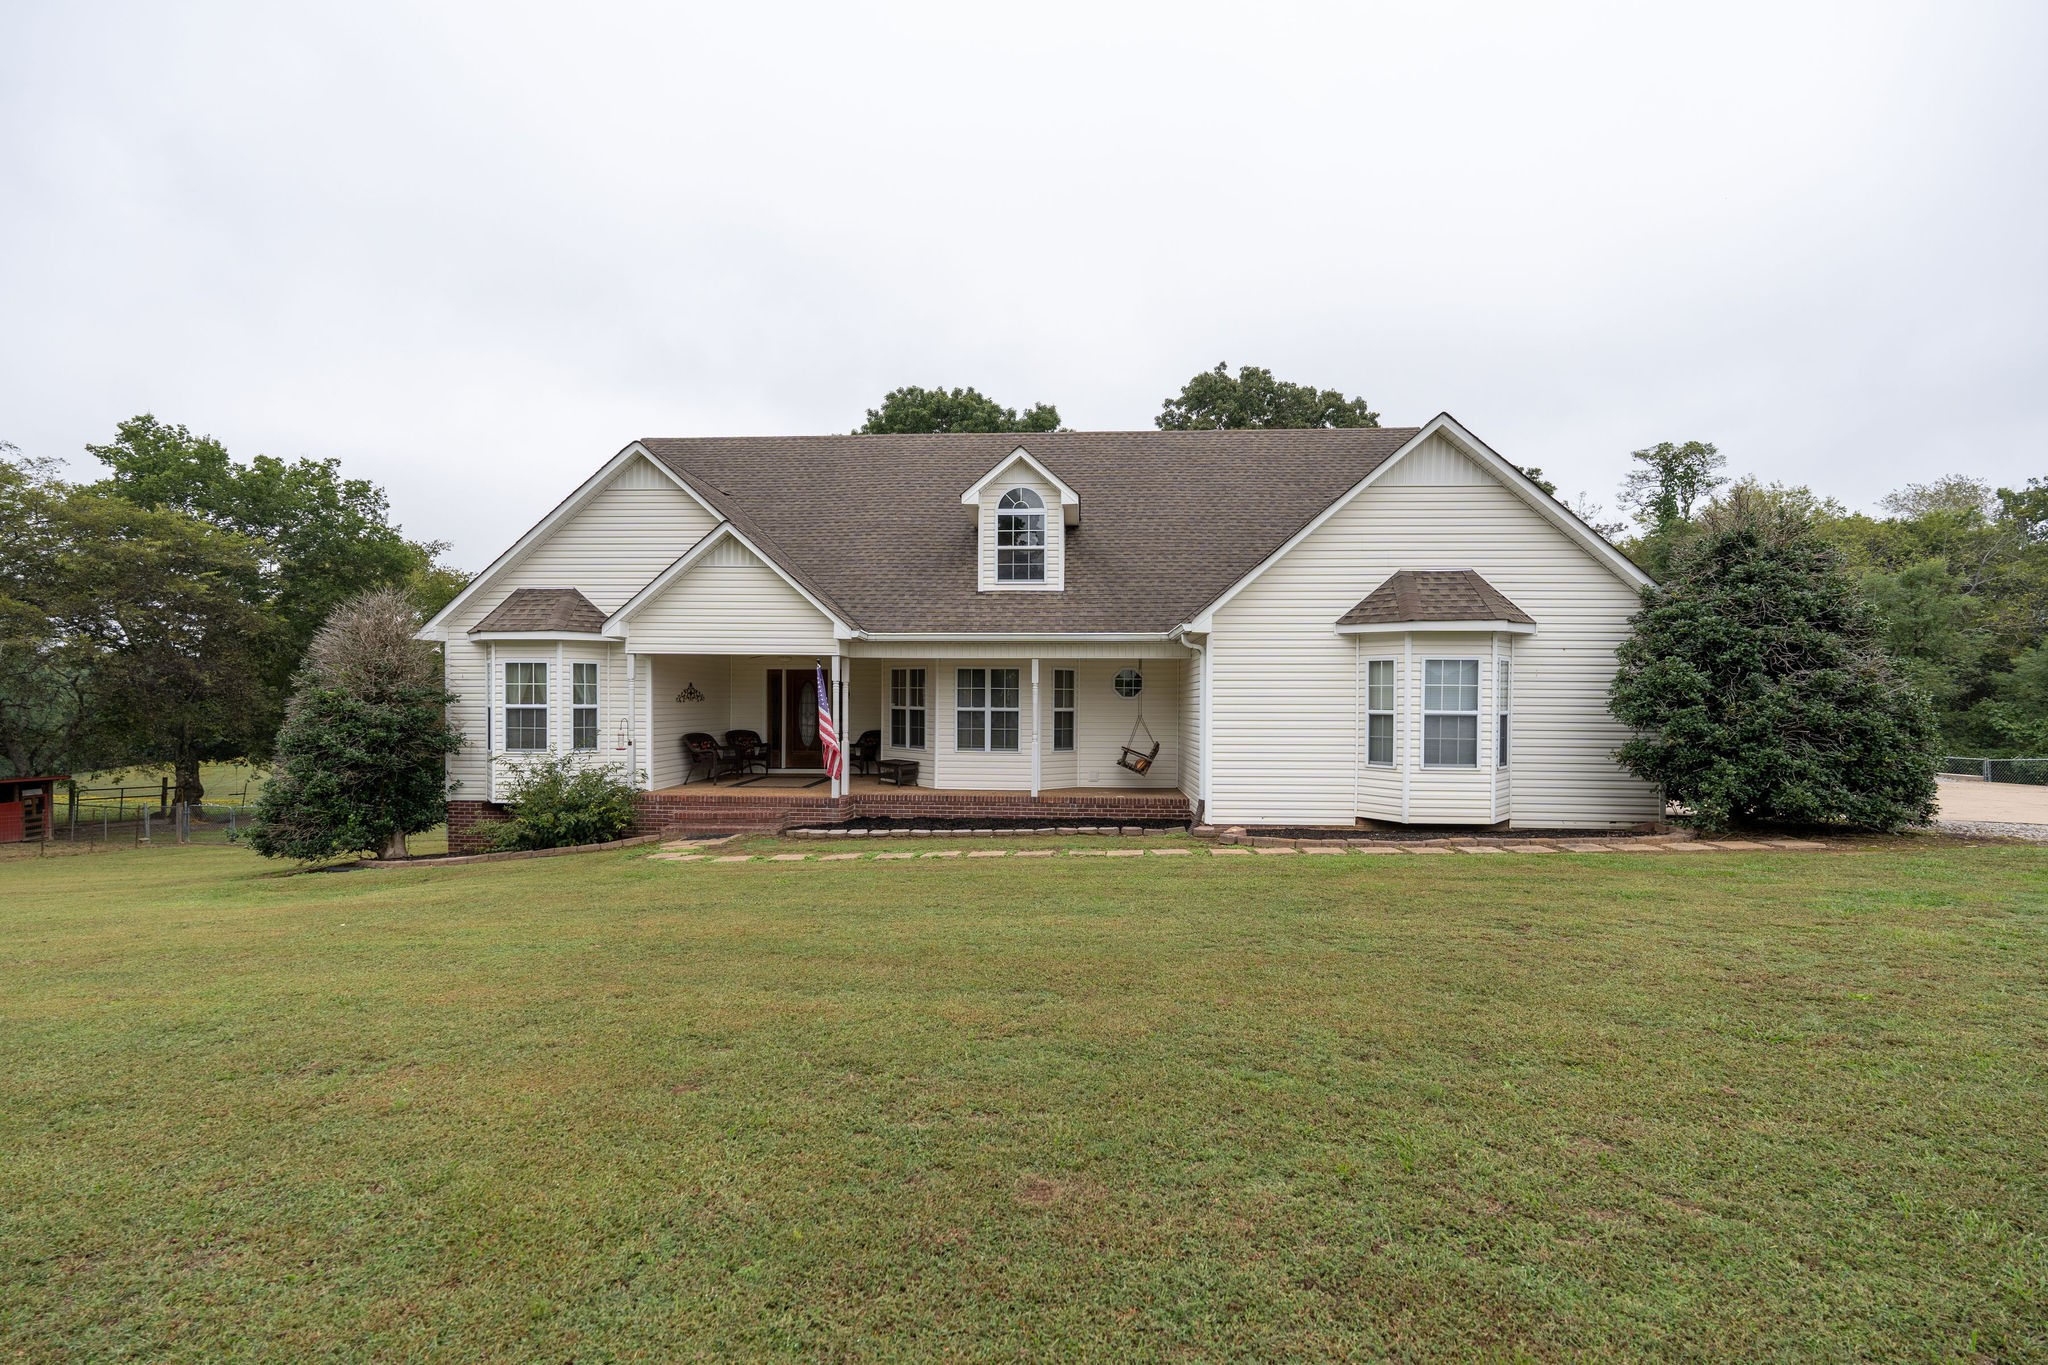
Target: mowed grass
[(602, 1108)]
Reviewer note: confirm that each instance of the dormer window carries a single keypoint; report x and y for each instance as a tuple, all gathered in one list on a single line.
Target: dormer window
[(1020, 537)]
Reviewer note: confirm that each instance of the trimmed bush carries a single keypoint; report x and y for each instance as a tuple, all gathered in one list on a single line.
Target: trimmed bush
[(559, 803)]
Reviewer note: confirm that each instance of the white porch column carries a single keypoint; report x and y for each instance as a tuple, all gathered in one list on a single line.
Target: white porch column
[(842, 783), (1037, 749)]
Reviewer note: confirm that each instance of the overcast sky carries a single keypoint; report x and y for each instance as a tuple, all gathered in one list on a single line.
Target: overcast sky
[(472, 251)]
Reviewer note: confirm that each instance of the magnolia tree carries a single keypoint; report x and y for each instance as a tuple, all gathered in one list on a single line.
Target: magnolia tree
[(360, 757), (1759, 685)]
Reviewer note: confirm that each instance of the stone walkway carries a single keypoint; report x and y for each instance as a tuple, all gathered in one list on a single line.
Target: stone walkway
[(688, 851)]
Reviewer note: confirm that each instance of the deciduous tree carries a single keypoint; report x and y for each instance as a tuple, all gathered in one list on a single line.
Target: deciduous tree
[(1216, 400), (915, 411)]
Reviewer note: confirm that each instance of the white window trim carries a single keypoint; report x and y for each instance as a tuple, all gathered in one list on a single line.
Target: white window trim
[(1030, 507), (595, 706), (1478, 710), (1503, 711), (988, 711), (924, 711), (506, 707), (1392, 712), (1071, 710)]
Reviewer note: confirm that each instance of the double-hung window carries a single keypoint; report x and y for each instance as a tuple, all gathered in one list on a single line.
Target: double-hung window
[(583, 706), (985, 713), (1020, 537), (526, 706), (1379, 712), (1450, 713), (1063, 708), (906, 708), (1504, 705)]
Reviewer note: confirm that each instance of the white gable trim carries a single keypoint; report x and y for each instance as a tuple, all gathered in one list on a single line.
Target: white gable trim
[(1070, 501), (1512, 477), (437, 627), (615, 624)]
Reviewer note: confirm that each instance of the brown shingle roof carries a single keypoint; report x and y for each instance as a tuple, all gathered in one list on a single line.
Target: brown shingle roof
[(1412, 595), (548, 609), (1169, 519)]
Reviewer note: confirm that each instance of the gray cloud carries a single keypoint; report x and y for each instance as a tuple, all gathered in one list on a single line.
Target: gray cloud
[(472, 251)]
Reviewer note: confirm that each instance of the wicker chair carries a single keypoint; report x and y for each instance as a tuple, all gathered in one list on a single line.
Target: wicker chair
[(701, 751), (745, 751), (867, 751)]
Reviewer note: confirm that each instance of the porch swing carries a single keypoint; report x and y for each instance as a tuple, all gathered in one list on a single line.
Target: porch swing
[(1133, 758)]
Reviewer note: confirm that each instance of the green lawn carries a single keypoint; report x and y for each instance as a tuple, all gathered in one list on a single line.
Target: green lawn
[(597, 1108)]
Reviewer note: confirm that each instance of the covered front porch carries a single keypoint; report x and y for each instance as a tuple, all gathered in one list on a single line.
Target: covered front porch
[(1040, 724)]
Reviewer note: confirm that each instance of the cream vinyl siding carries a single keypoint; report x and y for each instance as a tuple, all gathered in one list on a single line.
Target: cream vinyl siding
[(729, 602), (865, 704), (1287, 747), (1103, 722), (711, 675), (1436, 463), (630, 530), (1019, 475), (466, 670)]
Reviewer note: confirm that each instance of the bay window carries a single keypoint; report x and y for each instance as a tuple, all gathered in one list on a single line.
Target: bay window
[(1450, 713)]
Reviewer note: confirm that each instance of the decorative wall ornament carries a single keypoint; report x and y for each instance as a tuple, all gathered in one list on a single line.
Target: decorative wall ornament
[(689, 693)]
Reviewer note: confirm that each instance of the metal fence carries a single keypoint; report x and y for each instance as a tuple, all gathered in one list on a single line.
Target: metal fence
[(2032, 771), (113, 821)]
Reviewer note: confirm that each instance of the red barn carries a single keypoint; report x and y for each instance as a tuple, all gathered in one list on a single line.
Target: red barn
[(25, 805)]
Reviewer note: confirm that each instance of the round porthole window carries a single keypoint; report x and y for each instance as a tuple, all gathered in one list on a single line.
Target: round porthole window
[(1130, 683)]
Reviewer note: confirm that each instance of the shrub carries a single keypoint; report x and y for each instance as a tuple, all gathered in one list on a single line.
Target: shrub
[(557, 802), (361, 755), (1760, 685)]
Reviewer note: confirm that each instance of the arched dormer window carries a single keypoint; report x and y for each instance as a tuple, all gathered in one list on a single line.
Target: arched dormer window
[(1020, 537)]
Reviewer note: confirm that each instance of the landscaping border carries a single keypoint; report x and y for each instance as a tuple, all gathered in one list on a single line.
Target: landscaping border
[(506, 856)]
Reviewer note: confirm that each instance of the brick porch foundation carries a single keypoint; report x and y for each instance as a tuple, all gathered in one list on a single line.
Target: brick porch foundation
[(715, 812)]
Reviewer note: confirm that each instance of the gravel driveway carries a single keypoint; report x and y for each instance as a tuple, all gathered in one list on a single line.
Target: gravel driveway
[(2004, 810)]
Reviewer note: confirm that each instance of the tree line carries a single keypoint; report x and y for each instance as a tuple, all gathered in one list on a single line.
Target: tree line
[(156, 615)]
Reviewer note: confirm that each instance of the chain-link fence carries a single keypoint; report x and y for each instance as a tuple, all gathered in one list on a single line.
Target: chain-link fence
[(2032, 771)]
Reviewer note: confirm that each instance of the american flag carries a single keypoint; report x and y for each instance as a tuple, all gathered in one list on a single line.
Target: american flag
[(828, 733)]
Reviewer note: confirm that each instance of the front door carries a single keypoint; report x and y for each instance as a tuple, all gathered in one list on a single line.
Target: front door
[(798, 745)]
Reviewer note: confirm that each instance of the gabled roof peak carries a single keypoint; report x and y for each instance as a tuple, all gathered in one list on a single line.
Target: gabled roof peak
[(1070, 501)]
